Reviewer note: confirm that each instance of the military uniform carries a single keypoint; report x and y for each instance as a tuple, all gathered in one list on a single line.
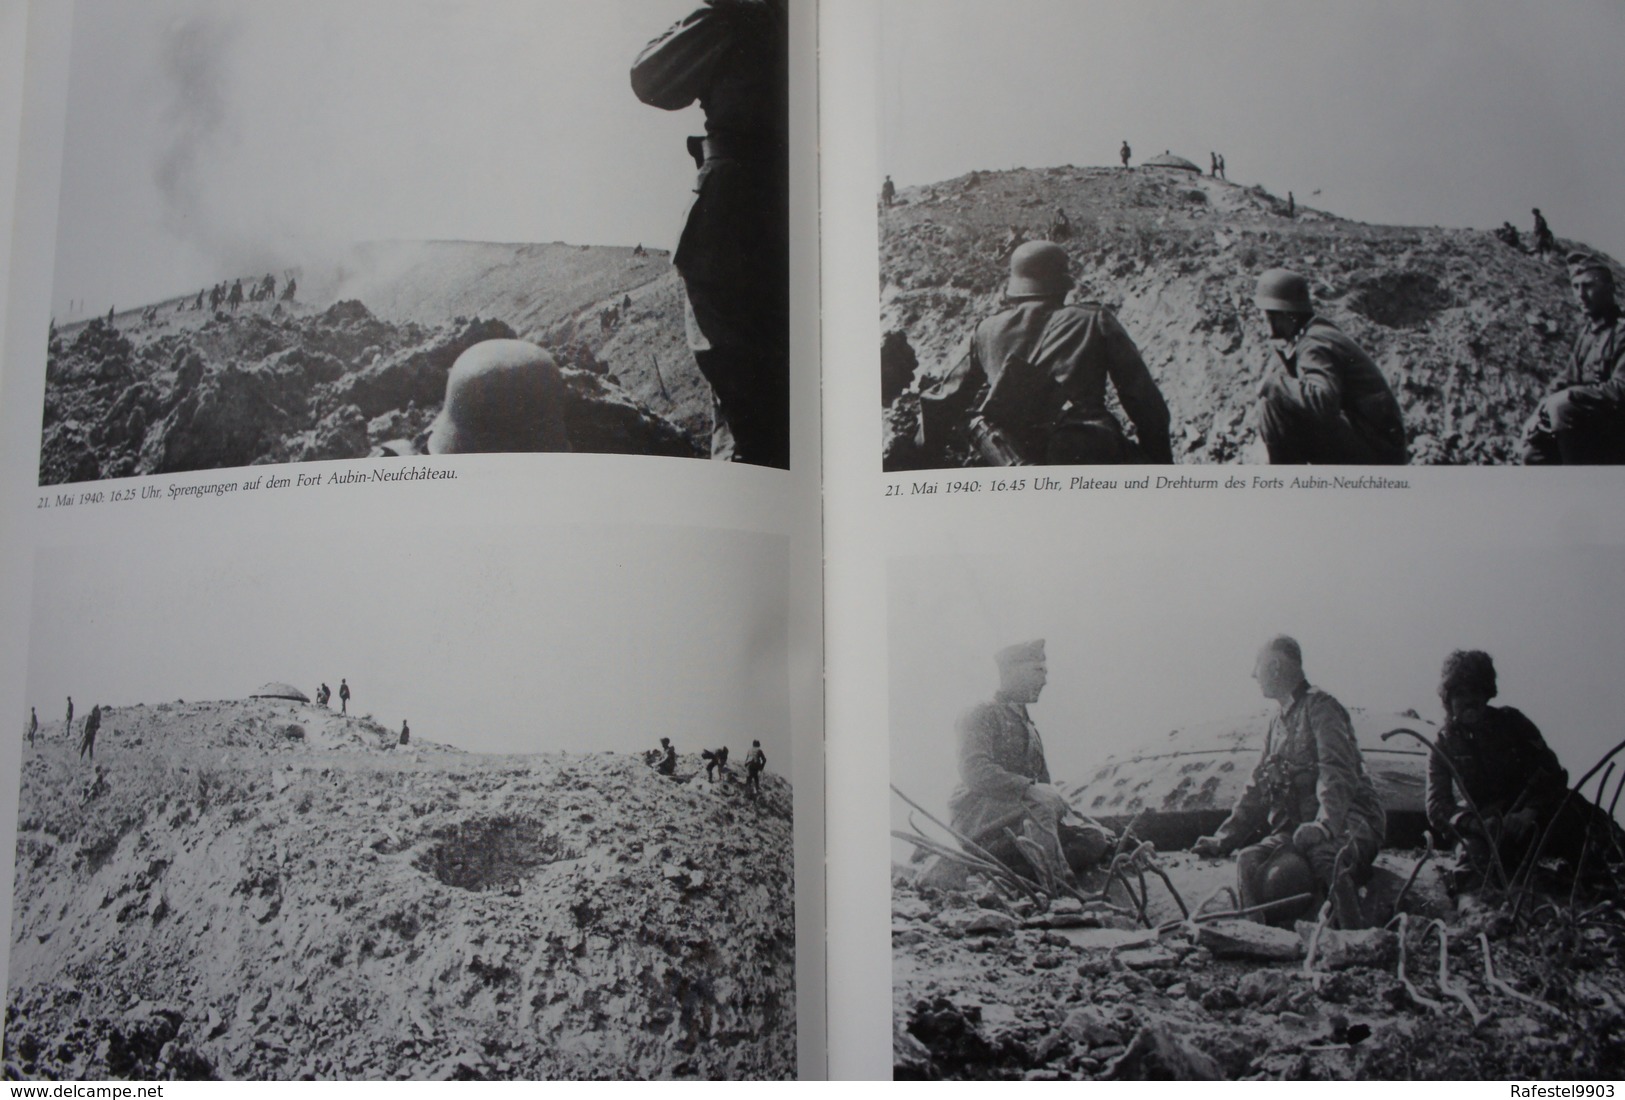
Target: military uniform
[(1036, 373), (755, 762), (1311, 771), (733, 56), (1325, 402), (1001, 756), (1505, 766), (93, 724), (1584, 423)]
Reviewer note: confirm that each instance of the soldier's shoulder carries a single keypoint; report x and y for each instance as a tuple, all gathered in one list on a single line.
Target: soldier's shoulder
[(983, 715), (1324, 705)]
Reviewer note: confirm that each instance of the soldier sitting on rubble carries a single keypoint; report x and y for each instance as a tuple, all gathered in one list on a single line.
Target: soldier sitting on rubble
[(1497, 761), (1005, 790), (1310, 814)]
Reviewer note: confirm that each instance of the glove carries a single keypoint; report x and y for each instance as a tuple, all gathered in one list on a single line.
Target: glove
[(1309, 835), (1208, 846)]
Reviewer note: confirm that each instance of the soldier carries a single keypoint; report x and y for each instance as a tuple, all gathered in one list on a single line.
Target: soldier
[(67, 726), (1544, 241), (1584, 422), (1291, 205), (406, 733), (1221, 168), (344, 696), (755, 761), (1033, 381), (93, 723), (502, 396), (1060, 226), (1322, 399), (33, 725), (234, 297), (1125, 152), (289, 290), (1496, 759), (732, 56), (888, 192), (668, 758), (1213, 163), (323, 694), (216, 296), (1309, 798), (1004, 781), (716, 763)]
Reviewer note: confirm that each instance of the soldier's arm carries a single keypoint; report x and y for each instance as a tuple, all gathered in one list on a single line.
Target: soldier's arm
[(1547, 780), (1317, 384), (1137, 391), (1250, 813), (1339, 757), (979, 768), (1442, 807), (675, 69), (1613, 390)]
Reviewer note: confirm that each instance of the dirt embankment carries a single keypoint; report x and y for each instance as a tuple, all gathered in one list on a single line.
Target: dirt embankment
[(170, 388), (268, 890), (1469, 331)]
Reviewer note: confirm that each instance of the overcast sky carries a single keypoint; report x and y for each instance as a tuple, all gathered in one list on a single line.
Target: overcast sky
[(514, 640), (1425, 112), (207, 138), (1165, 635)]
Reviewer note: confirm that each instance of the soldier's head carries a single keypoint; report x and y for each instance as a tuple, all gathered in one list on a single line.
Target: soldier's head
[(1466, 685), (1038, 269), (1023, 671), (1279, 668), (1593, 282), (1284, 297), (665, 740), (501, 396)]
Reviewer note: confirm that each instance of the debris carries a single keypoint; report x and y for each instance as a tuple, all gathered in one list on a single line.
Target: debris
[(1240, 939)]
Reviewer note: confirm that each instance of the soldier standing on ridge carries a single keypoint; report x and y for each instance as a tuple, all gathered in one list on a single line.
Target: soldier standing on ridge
[(1291, 205), (755, 761), (1221, 168), (1543, 234), (406, 733), (1213, 162), (67, 726), (1310, 809), (1032, 383), (1125, 152), (33, 725), (668, 758), (93, 723), (732, 56), (888, 192), (1583, 423), (234, 298), (1322, 399), (344, 696)]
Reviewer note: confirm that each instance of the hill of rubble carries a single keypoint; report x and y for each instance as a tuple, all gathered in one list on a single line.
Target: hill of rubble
[(1470, 331), (359, 360), (266, 889)]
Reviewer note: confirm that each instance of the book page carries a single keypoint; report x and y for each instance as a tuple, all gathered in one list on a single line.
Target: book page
[(1294, 761), (407, 684)]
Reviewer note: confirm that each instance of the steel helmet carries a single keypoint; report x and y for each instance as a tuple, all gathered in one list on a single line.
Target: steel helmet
[(1284, 291), (1285, 876), (502, 396), (1038, 270)]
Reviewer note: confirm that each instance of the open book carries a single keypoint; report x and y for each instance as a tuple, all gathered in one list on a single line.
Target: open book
[(468, 618)]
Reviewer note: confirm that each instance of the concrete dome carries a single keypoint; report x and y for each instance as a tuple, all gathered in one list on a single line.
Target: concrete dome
[(276, 689), (1168, 160)]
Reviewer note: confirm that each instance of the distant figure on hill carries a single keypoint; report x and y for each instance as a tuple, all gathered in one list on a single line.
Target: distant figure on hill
[(323, 694), (716, 763), (1322, 399), (109, 314), (344, 696), (33, 725), (640, 250), (234, 297), (1125, 152), (626, 303), (1030, 389), (1583, 422), (1291, 205), (268, 287), (888, 192), (198, 307), (289, 290), (1014, 238), (1060, 226), (67, 726), (755, 761), (667, 764), (1213, 161), (217, 295), (1544, 240), (1508, 235), (1221, 168), (406, 733), (93, 723)]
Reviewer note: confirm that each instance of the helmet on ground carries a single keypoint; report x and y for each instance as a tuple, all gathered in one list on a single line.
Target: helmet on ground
[(502, 396), (1283, 291), (1286, 876), (1038, 269)]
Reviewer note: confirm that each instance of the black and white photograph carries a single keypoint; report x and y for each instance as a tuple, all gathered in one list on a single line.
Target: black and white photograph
[(484, 809), (1229, 810), (1172, 232), (303, 231)]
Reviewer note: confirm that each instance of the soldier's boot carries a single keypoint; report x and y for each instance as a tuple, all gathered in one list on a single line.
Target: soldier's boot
[(1345, 898)]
